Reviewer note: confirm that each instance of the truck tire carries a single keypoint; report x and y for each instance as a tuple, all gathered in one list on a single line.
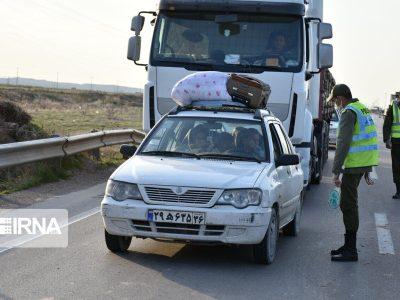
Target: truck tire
[(265, 252), (316, 175), (116, 243)]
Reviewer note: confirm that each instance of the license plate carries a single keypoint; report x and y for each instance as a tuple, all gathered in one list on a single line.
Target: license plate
[(182, 217)]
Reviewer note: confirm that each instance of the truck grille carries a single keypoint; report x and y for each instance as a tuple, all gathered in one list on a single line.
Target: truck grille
[(191, 196), (172, 228)]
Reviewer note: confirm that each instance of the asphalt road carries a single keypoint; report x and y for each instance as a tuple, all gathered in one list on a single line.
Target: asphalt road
[(152, 270)]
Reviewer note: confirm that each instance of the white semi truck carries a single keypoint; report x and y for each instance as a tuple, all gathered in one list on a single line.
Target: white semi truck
[(278, 42)]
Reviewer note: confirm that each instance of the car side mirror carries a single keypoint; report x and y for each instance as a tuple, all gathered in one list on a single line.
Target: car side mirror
[(288, 160), (127, 151)]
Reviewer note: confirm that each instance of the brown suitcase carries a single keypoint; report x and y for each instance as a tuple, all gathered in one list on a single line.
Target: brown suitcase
[(248, 90)]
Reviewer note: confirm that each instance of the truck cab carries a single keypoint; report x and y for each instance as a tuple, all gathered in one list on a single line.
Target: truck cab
[(278, 42)]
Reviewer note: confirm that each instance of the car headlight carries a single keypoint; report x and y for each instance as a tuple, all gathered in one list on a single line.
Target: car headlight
[(121, 191), (241, 198)]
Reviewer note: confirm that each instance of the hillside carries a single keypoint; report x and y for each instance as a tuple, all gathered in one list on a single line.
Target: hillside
[(67, 85), (68, 112)]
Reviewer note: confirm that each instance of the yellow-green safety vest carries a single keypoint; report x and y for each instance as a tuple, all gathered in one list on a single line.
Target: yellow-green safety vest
[(364, 146), (396, 120)]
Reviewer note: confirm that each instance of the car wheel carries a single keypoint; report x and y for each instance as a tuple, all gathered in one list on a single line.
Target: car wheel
[(116, 243), (293, 228), (265, 252)]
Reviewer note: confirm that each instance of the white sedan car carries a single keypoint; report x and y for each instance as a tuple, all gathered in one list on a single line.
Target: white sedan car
[(208, 175), (334, 125)]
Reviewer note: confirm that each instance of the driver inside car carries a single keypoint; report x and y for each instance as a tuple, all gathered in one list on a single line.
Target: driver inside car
[(197, 139)]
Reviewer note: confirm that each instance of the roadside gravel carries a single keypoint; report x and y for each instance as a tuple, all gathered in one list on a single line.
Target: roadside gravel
[(79, 179)]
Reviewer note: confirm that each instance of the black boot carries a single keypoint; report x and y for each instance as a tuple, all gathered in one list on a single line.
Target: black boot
[(397, 195), (340, 250), (349, 253)]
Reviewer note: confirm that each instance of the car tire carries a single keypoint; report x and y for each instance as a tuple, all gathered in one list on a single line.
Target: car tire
[(116, 243), (293, 228), (265, 252)]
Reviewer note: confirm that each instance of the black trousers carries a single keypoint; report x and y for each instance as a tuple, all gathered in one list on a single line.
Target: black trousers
[(349, 201), (396, 162)]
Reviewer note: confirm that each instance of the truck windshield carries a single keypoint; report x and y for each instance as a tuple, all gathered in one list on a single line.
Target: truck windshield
[(232, 43), (228, 139)]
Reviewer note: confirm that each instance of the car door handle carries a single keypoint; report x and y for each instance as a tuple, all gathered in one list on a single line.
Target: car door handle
[(288, 171)]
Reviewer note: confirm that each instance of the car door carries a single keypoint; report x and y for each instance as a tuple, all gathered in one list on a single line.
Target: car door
[(283, 172), (295, 177)]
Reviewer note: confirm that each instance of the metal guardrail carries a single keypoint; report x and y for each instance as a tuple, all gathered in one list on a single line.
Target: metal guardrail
[(30, 151)]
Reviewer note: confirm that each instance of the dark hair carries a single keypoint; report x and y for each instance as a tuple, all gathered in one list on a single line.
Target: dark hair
[(199, 129)]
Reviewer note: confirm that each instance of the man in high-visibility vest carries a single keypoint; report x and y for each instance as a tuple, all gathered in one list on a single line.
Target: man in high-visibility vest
[(391, 137), (357, 151)]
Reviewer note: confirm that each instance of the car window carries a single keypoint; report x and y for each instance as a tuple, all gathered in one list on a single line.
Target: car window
[(286, 140), (282, 139), (278, 150), (216, 137)]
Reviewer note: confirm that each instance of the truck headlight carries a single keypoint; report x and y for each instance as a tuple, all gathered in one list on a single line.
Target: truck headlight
[(241, 198), (121, 191)]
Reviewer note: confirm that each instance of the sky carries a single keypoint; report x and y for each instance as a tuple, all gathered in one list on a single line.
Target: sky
[(86, 40)]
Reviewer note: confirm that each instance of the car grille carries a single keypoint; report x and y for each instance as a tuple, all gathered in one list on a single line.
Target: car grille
[(191, 196), (184, 229)]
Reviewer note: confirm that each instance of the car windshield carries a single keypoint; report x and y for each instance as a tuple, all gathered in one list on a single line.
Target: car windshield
[(240, 42), (229, 139)]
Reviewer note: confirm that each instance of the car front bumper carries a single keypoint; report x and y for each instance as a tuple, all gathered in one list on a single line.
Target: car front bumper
[(223, 223)]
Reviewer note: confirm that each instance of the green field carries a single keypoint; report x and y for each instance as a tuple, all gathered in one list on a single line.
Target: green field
[(66, 113), (69, 112)]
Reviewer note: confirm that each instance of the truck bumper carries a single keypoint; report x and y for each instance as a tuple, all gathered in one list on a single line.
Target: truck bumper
[(223, 224)]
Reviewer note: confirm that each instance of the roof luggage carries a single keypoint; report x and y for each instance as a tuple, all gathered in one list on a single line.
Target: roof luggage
[(220, 88)]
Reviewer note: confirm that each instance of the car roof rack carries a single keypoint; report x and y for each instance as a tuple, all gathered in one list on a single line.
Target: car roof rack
[(258, 113)]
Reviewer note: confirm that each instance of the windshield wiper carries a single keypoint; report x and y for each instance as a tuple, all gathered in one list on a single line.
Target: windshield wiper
[(229, 157), (171, 153)]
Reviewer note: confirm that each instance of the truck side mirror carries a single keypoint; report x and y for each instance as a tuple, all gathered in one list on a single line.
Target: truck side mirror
[(324, 31), (325, 56), (134, 48), (137, 24)]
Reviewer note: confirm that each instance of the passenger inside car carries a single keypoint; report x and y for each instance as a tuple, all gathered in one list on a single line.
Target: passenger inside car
[(248, 143), (224, 142)]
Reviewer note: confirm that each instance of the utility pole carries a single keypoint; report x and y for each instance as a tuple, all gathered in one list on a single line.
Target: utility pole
[(8, 80), (91, 83), (57, 80), (16, 81)]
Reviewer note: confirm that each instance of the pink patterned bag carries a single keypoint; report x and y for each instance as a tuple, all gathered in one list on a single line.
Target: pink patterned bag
[(201, 86)]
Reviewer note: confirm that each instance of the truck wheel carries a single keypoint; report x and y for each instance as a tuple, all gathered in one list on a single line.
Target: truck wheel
[(317, 171), (116, 243), (293, 228), (265, 252)]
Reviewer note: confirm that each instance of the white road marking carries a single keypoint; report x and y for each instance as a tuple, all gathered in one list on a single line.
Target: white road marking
[(384, 237), (74, 219)]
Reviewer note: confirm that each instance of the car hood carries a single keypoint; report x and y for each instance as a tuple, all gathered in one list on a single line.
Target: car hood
[(205, 173)]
